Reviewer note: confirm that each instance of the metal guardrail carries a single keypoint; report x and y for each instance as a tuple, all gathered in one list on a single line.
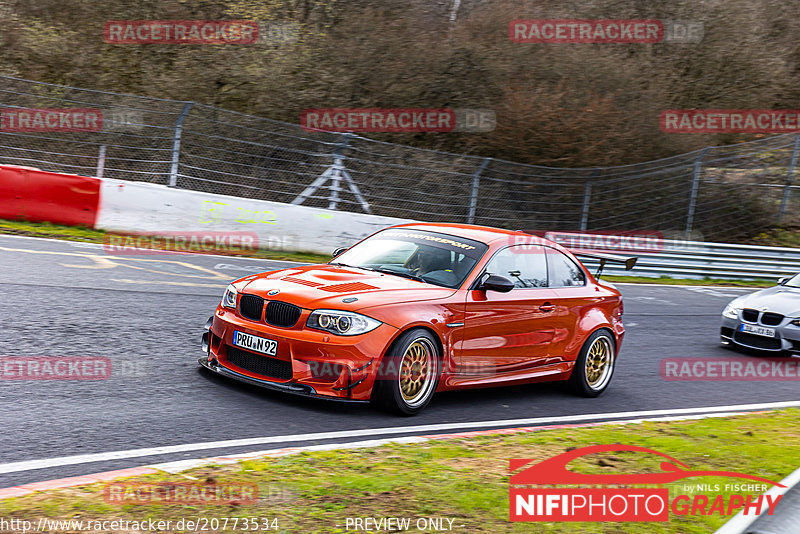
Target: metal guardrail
[(698, 260)]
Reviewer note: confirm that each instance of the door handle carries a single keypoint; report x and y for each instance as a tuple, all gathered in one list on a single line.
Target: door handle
[(547, 307)]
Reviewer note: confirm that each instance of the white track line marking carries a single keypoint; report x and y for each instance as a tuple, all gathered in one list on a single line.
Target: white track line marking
[(45, 463)]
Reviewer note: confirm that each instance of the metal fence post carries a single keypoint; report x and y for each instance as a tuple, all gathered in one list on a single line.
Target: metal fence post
[(693, 195), (336, 176), (176, 144), (787, 191), (101, 161), (473, 199), (587, 198)]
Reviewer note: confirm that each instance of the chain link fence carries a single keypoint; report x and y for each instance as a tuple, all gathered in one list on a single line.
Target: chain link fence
[(720, 193)]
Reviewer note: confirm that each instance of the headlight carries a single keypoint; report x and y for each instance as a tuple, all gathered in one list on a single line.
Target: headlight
[(732, 310), (795, 322), (341, 323), (229, 298)]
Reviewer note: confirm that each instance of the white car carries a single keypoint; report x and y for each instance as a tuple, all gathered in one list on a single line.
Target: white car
[(767, 320)]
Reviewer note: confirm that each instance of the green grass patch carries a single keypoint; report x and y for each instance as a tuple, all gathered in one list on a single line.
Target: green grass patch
[(788, 236), (690, 282), (463, 479)]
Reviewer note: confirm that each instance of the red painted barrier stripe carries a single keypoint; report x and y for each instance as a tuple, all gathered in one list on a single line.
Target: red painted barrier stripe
[(31, 194)]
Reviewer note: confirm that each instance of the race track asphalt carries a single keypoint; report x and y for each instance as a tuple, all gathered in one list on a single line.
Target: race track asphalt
[(146, 314)]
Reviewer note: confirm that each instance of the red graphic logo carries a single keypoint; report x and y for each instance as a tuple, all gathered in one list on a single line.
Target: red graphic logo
[(619, 504), (51, 120)]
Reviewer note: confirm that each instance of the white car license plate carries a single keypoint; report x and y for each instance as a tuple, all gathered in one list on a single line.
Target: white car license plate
[(758, 330), (255, 343)]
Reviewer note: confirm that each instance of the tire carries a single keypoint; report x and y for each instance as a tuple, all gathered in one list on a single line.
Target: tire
[(409, 373), (593, 379)]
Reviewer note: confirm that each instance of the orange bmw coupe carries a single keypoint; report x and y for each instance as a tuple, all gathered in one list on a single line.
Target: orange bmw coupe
[(420, 308)]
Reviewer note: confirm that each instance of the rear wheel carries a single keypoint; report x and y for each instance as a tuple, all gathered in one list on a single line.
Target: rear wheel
[(409, 373), (594, 366)]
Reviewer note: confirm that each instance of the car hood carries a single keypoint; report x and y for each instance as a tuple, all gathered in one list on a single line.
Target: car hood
[(340, 288), (779, 299)]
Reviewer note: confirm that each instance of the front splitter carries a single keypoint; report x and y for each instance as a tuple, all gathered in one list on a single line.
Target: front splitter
[(292, 389)]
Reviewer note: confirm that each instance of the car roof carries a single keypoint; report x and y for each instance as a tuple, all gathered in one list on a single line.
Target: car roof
[(484, 234)]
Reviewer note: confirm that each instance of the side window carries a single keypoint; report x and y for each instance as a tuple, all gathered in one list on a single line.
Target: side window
[(525, 266), (562, 271)]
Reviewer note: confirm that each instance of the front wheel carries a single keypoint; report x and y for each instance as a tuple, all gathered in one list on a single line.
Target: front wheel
[(409, 373), (594, 366)]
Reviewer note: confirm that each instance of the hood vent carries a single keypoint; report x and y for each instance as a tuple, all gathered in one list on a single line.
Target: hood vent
[(309, 283), (348, 287)]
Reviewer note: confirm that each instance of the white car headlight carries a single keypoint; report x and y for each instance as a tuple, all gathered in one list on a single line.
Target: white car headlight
[(341, 323), (732, 310), (229, 298)]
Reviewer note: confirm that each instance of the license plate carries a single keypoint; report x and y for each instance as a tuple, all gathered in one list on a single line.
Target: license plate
[(758, 330), (255, 343)]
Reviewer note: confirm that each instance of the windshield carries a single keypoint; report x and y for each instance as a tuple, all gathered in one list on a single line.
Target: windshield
[(439, 259), (793, 281)]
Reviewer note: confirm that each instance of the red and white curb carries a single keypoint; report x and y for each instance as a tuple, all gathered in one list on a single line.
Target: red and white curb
[(183, 465)]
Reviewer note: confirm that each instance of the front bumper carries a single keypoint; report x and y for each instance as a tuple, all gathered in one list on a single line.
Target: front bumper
[(787, 337), (294, 389), (312, 363)]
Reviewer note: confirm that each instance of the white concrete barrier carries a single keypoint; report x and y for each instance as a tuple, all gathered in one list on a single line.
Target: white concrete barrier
[(149, 208)]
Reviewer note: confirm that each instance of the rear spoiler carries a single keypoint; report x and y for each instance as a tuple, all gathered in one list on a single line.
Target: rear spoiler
[(628, 261)]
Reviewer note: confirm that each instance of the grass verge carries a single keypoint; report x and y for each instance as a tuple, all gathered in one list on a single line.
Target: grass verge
[(89, 235), (689, 282), (461, 479)]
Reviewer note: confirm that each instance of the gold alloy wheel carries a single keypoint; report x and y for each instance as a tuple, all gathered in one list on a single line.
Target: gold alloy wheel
[(599, 363), (417, 371)]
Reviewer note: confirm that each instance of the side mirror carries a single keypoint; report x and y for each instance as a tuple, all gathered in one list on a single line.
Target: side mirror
[(339, 251), (782, 281), (495, 282)]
